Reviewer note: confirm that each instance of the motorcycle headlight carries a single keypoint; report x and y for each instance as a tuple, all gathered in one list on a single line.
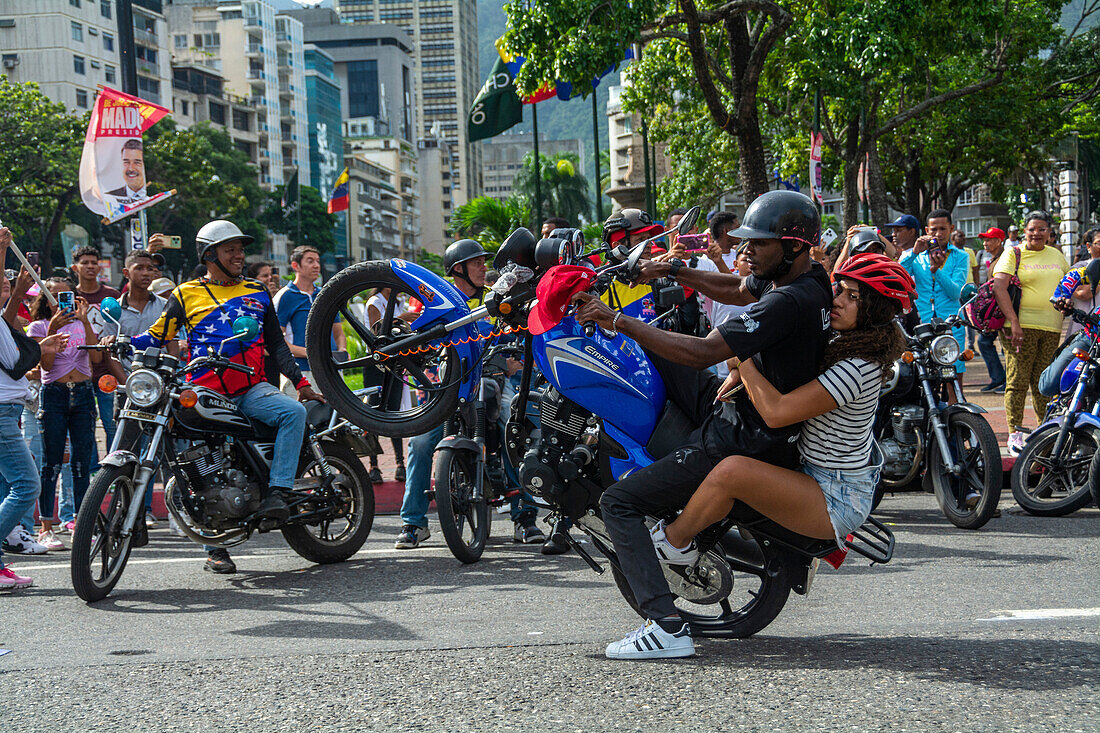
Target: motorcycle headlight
[(945, 349), (144, 388)]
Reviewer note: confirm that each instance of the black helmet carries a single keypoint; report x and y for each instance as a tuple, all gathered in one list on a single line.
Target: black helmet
[(628, 221), (786, 215), (218, 232), (865, 240), (461, 251)]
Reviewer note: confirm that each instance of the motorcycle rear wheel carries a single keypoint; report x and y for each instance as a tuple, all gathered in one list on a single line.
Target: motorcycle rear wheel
[(1046, 493), (337, 539), (762, 605), (97, 539), (375, 413), (974, 443), (464, 521)]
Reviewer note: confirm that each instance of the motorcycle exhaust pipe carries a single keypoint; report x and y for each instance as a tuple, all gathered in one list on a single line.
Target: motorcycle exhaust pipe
[(189, 528)]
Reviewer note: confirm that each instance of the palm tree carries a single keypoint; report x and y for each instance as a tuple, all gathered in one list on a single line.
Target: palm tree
[(564, 190), (490, 221)]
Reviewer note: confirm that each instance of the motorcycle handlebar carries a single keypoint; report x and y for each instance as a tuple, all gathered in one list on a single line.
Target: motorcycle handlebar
[(239, 368)]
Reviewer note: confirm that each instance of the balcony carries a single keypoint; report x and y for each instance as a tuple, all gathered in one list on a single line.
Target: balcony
[(282, 38), (257, 75), (254, 48), (146, 37), (147, 69), (254, 22)]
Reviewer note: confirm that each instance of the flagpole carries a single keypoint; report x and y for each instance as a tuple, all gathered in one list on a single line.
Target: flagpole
[(596, 149), (538, 169), (298, 183), (645, 164)]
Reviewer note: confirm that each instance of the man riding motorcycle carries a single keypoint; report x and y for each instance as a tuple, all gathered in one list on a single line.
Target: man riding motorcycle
[(464, 262), (784, 331), (206, 308)]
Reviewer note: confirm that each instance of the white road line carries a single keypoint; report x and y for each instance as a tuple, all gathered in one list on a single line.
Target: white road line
[(1042, 614), (198, 557)]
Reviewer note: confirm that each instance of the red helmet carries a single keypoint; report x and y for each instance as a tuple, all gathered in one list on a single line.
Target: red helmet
[(881, 274)]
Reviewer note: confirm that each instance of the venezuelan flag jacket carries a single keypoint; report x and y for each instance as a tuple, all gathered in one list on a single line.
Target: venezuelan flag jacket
[(207, 311)]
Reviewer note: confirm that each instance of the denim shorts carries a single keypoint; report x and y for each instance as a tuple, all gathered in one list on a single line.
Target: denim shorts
[(848, 492)]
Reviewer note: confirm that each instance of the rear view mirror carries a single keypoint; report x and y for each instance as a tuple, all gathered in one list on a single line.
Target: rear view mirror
[(246, 327), (111, 308), (687, 223), (1092, 273)]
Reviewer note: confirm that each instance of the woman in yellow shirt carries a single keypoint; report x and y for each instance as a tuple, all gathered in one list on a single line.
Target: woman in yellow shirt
[(1031, 335)]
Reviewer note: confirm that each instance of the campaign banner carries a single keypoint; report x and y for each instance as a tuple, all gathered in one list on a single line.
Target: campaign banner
[(816, 139), (112, 166)]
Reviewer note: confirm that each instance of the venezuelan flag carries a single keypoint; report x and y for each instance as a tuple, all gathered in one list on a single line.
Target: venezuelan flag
[(514, 63), (339, 199)]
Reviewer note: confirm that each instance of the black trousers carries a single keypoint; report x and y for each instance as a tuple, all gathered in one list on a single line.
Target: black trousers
[(668, 483)]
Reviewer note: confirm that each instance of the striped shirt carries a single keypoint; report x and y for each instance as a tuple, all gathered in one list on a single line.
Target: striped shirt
[(842, 438)]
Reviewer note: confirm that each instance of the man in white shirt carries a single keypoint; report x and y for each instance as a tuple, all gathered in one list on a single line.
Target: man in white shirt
[(721, 257)]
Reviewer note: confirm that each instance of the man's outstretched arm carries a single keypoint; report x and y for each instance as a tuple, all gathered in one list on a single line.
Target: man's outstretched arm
[(719, 286)]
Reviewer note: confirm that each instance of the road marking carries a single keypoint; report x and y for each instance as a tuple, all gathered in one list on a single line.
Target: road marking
[(1042, 614)]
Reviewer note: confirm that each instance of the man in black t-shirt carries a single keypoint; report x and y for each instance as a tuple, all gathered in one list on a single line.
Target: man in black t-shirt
[(784, 331)]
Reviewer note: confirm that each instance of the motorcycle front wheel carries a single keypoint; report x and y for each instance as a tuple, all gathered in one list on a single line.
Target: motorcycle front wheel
[(351, 504), (973, 445), (1053, 486), (99, 551), (465, 521), (342, 299)]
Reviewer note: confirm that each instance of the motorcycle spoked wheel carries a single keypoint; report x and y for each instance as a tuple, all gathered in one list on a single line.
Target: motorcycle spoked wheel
[(973, 443), (374, 413), (1044, 492), (465, 522), (336, 539), (761, 587), (99, 552)]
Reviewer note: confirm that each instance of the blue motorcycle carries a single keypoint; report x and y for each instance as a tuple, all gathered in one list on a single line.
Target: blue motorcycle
[(603, 414), (1058, 472)]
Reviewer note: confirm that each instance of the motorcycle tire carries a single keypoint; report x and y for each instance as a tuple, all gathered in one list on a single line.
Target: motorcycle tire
[(971, 430), (307, 540), (760, 609), (96, 537), (378, 417), (465, 523), (1094, 479), (1028, 473)]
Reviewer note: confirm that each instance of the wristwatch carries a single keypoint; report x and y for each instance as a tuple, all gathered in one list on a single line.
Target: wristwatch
[(674, 267)]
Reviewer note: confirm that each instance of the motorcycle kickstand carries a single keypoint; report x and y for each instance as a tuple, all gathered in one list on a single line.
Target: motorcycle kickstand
[(583, 553)]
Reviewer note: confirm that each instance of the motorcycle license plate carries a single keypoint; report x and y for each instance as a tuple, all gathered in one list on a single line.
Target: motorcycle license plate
[(947, 372), (812, 574), (138, 415)]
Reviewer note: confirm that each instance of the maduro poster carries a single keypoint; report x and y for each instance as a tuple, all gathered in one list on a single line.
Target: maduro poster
[(112, 167)]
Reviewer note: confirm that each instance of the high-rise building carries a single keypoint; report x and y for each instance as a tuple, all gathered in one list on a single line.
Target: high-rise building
[(399, 158), (502, 158), (374, 211), (627, 186), (445, 50), (326, 139), (70, 46), (198, 95), (435, 169)]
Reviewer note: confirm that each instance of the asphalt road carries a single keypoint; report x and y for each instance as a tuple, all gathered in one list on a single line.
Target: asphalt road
[(990, 630)]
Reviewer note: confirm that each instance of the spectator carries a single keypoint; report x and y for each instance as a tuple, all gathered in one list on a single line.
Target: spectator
[(1083, 295), (1013, 237), (1073, 284), (162, 286), (993, 247), (399, 399), (292, 304), (958, 239), (87, 270), (554, 222), (67, 400), (722, 256), (940, 273), (861, 239), (1031, 335), (264, 271), (906, 230)]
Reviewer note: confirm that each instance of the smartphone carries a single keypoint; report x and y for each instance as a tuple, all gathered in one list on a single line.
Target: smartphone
[(732, 394), (696, 242), (174, 242), (65, 301), (32, 258)]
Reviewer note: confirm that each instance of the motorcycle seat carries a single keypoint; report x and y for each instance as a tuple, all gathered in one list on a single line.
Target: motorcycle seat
[(318, 414), (754, 521)]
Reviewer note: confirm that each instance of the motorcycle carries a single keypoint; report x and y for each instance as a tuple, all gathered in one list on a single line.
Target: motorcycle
[(216, 480), (949, 448), (603, 414), (1057, 471)]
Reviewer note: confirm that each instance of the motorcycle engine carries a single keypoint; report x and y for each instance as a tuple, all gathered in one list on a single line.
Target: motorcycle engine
[(563, 450), (899, 449), (223, 494)]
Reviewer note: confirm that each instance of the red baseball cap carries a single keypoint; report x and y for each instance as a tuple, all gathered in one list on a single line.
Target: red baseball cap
[(992, 233), (555, 291)]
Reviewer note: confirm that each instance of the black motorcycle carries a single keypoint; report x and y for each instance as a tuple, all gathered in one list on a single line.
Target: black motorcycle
[(931, 437), (217, 478)]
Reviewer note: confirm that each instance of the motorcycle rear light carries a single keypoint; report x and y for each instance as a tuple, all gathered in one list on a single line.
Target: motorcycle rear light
[(837, 557), (1077, 354), (967, 355), (107, 383), (907, 357), (188, 398)]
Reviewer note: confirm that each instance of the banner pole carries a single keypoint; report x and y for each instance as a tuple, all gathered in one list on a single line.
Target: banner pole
[(596, 149), (34, 273), (538, 169), (144, 230)]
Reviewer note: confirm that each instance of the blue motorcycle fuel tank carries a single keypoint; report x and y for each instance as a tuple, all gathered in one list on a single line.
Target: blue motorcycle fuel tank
[(1069, 377), (611, 377)]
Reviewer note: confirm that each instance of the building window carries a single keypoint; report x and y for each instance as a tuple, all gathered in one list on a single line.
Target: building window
[(95, 64), (105, 8), (185, 107), (78, 32), (109, 74), (146, 54), (241, 121), (181, 40), (78, 64), (217, 113), (108, 42), (74, 3), (363, 88), (82, 98)]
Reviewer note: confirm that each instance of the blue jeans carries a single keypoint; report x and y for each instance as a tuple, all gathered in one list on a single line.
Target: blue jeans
[(32, 434), (19, 480), (1052, 375), (414, 505), (521, 504), (67, 409), (105, 404), (987, 347), (266, 404)]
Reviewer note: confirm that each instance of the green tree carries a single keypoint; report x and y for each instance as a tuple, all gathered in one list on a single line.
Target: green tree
[(490, 221), (39, 159), (564, 190), (317, 225)]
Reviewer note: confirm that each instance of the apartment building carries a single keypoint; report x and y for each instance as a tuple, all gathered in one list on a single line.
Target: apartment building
[(374, 211), (399, 158), (435, 171), (502, 158)]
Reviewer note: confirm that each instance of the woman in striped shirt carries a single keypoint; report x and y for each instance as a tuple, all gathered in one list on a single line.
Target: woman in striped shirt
[(831, 495)]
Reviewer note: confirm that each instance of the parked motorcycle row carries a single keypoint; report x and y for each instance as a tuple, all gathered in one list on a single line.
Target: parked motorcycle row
[(590, 408)]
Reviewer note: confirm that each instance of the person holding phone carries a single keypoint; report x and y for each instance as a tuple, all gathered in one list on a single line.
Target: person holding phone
[(67, 399)]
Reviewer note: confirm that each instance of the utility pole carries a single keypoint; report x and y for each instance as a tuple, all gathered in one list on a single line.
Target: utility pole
[(596, 150), (127, 58)]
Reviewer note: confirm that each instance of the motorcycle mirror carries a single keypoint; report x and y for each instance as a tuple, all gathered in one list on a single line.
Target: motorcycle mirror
[(246, 327), (968, 292), (1092, 273), (111, 308), (687, 223)]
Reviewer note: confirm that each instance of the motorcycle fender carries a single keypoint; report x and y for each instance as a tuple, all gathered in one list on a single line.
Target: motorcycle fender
[(1085, 419), (458, 442), (960, 407), (352, 441), (119, 459), (801, 573)]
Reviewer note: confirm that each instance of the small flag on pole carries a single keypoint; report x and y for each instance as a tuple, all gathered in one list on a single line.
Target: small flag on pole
[(339, 199), (289, 199)]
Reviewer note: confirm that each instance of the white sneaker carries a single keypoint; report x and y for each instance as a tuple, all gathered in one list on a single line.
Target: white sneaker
[(1016, 442), (150, 520), (650, 641), (50, 541), (667, 553), (175, 527), (20, 542)]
